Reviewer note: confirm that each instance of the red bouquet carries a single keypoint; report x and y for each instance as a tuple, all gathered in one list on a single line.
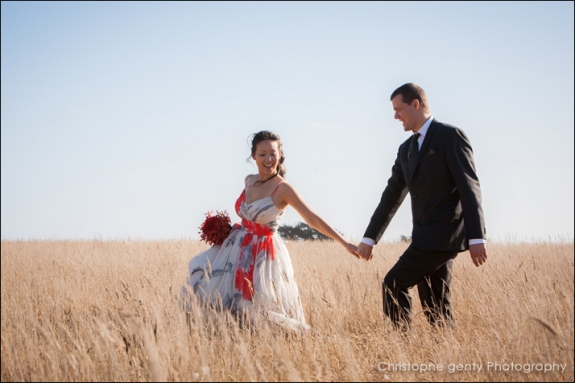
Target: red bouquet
[(215, 228)]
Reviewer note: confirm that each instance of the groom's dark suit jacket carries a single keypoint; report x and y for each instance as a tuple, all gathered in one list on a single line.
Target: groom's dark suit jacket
[(444, 189)]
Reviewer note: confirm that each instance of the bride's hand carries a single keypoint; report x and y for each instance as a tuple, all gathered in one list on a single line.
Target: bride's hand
[(352, 249)]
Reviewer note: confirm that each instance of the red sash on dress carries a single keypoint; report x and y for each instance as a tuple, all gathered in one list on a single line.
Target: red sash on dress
[(245, 280), (264, 243)]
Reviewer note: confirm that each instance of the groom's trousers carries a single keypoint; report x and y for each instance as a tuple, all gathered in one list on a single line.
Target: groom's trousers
[(431, 272)]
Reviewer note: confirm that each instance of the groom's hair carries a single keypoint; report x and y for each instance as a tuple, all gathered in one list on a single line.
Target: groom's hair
[(267, 135), (410, 92)]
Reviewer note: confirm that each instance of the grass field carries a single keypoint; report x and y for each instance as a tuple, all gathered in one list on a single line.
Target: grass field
[(108, 311)]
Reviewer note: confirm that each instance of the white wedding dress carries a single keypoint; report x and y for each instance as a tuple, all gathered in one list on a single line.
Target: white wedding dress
[(251, 272)]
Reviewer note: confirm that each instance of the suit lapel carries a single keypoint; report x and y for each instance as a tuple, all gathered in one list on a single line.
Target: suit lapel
[(428, 138), (426, 141)]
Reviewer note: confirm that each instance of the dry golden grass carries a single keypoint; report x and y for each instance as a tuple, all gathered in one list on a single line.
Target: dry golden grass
[(108, 311)]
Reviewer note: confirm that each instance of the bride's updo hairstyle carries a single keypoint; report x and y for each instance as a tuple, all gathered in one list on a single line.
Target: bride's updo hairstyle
[(267, 135)]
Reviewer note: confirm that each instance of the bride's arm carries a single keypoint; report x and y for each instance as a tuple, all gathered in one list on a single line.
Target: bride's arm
[(288, 195)]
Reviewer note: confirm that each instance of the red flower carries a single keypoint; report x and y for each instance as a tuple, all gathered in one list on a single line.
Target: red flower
[(215, 228)]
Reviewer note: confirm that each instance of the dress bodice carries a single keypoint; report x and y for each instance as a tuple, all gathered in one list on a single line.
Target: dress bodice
[(262, 211)]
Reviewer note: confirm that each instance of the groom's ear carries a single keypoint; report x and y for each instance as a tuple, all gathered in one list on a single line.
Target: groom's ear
[(416, 104)]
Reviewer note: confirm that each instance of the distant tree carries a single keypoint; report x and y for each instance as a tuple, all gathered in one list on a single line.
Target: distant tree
[(406, 238), (301, 232)]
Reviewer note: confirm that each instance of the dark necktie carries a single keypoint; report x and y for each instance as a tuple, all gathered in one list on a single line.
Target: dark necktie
[(413, 152)]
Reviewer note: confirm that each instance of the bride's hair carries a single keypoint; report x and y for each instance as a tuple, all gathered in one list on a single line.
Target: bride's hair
[(267, 135)]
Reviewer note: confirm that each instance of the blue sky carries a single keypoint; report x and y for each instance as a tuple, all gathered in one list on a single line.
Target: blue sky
[(130, 120)]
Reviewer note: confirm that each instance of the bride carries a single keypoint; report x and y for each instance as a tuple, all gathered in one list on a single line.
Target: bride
[(251, 273)]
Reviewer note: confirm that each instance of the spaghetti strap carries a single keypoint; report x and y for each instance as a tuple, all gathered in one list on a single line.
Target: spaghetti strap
[(276, 188)]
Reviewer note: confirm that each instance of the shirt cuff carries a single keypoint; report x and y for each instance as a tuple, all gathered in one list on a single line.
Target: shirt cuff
[(368, 241), (476, 241)]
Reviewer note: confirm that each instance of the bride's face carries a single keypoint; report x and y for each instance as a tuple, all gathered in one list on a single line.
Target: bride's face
[(267, 157)]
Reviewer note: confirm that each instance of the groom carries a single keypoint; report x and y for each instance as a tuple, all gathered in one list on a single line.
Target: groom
[(435, 165)]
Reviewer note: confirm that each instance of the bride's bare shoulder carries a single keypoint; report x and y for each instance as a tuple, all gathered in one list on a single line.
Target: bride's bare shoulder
[(286, 187), (248, 178)]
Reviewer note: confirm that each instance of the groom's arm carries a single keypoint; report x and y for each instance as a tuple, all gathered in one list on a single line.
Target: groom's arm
[(391, 199), (462, 167)]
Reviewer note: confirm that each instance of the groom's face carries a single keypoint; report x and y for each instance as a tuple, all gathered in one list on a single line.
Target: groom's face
[(406, 113)]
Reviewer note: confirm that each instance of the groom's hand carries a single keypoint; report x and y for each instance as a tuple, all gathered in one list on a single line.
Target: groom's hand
[(365, 251), (478, 254)]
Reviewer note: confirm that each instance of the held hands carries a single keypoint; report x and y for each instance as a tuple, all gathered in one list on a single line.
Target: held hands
[(364, 251), (351, 248), (478, 254)]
